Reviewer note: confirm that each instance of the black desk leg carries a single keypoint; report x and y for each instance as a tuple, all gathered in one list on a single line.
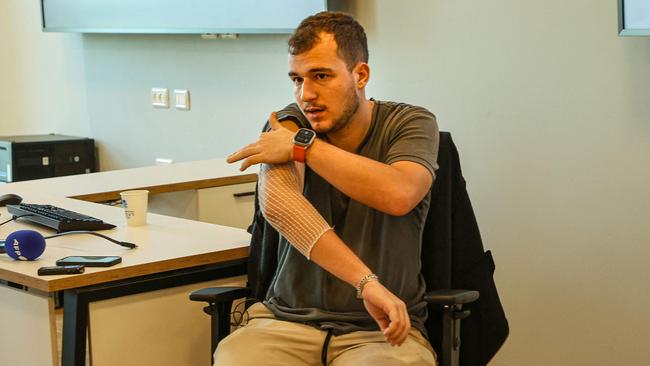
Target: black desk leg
[(75, 323)]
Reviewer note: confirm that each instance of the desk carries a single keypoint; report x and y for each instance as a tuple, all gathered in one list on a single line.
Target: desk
[(106, 186), (172, 252)]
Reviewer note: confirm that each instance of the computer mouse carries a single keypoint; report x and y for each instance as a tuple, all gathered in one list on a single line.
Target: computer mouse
[(10, 199)]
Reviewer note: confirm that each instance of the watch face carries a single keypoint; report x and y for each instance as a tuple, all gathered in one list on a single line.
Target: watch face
[(304, 136)]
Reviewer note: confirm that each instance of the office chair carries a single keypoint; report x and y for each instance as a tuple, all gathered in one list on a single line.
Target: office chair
[(452, 256)]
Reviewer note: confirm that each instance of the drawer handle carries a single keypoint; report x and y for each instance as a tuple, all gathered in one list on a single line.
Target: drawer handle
[(244, 194)]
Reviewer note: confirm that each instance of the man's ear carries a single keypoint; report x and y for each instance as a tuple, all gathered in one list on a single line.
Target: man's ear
[(361, 74)]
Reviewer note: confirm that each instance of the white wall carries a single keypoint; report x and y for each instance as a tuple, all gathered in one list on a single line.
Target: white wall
[(550, 110), (42, 83), (234, 84), (548, 106)]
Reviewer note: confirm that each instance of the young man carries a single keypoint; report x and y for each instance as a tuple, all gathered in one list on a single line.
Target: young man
[(349, 194)]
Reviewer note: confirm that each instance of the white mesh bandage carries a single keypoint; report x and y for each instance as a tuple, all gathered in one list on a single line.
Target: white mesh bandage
[(286, 209)]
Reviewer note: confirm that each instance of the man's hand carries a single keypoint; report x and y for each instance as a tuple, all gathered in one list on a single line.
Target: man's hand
[(273, 147), (388, 311)]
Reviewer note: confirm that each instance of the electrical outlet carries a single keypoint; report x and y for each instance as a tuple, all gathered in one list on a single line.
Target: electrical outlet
[(160, 97)]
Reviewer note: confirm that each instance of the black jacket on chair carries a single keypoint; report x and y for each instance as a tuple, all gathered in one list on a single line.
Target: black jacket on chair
[(452, 257)]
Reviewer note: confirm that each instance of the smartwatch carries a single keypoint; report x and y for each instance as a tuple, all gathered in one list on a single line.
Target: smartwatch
[(301, 142)]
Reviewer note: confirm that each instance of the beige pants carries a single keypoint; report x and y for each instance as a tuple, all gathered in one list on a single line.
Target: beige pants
[(265, 340)]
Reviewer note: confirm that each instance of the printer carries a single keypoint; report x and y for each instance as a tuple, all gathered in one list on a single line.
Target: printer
[(43, 156)]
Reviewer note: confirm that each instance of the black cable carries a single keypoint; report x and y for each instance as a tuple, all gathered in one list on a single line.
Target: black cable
[(15, 218), (121, 243), (326, 344), (240, 318), (2, 241)]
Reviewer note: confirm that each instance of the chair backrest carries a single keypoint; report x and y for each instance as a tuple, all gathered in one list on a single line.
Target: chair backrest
[(453, 257), (451, 248)]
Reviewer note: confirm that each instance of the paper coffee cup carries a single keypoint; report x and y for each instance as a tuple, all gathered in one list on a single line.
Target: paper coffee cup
[(135, 206)]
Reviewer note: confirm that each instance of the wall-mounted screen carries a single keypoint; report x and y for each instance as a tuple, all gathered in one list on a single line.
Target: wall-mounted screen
[(634, 17), (177, 16)]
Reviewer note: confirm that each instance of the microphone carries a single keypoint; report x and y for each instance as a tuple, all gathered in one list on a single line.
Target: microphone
[(27, 245)]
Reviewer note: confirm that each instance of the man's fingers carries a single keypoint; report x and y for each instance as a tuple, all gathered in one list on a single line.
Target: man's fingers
[(245, 165), (389, 312), (394, 326), (273, 121), (245, 152), (405, 325), (251, 160), (383, 324), (399, 339), (233, 157), (399, 327)]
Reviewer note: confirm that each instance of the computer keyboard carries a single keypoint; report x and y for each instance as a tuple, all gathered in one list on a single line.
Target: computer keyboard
[(57, 218)]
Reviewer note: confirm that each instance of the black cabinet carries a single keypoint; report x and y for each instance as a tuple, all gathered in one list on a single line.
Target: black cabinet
[(43, 156)]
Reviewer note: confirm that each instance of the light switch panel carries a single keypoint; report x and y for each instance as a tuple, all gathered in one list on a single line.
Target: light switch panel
[(182, 99)]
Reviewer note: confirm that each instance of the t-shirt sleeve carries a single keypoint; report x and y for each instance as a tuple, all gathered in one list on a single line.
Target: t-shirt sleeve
[(293, 113), (414, 136)]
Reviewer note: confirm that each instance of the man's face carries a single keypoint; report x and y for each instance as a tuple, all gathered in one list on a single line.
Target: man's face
[(324, 88)]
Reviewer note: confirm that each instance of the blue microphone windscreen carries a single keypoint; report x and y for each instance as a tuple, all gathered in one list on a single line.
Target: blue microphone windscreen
[(25, 245)]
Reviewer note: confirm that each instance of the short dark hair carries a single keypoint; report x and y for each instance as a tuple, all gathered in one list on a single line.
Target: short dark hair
[(352, 45)]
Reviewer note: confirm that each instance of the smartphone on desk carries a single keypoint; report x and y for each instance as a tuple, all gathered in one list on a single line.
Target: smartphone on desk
[(61, 270), (90, 260)]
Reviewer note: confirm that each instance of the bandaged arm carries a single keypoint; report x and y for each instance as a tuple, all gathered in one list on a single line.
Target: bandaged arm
[(286, 209), (293, 216)]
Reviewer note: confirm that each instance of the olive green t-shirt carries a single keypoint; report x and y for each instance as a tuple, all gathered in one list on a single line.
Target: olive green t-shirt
[(389, 245)]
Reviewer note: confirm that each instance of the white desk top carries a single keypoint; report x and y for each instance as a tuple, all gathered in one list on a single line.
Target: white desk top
[(104, 186), (166, 243)]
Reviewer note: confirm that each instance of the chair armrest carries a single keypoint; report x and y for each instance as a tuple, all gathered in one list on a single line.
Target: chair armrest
[(219, 301), (215, 295), (451, 297)]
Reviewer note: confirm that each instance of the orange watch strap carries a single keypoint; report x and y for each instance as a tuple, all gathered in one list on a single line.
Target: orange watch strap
[(299, 153)]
